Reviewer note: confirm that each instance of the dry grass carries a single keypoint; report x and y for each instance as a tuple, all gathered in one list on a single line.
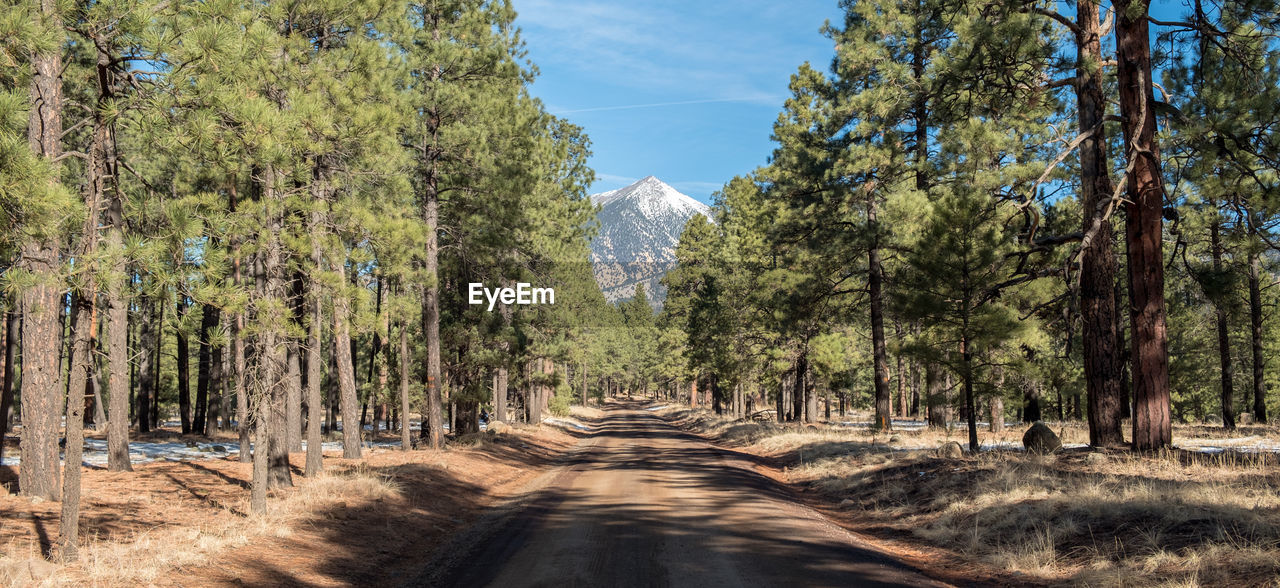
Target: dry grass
[(185, 523), (147, 555), (589, 413), (1079, 517)]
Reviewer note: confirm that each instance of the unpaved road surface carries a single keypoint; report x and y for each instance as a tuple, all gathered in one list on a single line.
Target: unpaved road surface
[(642, 503)]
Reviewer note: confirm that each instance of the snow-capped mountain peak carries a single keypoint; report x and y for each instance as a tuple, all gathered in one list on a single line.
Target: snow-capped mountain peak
[(654, 199), (639, 228)]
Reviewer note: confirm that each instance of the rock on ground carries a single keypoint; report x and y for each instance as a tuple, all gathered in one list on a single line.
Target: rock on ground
[(950, 450), (1041, 439), (497, 427)]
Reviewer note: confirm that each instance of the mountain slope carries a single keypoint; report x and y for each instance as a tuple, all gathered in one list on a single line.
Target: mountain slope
[(639, 228)]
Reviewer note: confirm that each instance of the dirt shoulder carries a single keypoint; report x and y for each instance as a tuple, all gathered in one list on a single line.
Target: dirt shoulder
[(185, 523), (1110, 518), (781, 466)]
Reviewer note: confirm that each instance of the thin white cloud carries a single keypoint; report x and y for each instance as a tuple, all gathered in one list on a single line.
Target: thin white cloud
[(660, 48)]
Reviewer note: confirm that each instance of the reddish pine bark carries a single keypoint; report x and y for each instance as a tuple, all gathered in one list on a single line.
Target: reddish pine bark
[(1152, 428), (1097, 260)]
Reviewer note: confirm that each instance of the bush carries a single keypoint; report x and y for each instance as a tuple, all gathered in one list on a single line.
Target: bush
[(559, 403)]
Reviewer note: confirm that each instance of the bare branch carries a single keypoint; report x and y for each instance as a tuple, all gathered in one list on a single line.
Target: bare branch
[(1058, 16), (66, 154)]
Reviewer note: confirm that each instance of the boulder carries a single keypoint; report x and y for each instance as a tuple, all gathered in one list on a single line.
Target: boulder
[(1245, 418), (950, 450), (1041, 439), (497, 427), (1213, 420), (895, 439)]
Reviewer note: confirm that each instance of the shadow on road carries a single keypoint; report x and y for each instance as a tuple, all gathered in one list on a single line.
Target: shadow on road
[(651, 505)]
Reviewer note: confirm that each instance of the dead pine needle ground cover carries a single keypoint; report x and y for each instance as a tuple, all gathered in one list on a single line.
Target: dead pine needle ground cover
[(186, 523), (1078, 517)]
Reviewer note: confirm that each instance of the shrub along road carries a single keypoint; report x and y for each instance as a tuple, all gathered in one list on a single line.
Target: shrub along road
[(642, 503)]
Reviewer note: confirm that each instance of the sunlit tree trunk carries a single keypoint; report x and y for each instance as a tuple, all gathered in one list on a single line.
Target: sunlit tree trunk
[(1097, 258), (41, 299), (1152, 427)]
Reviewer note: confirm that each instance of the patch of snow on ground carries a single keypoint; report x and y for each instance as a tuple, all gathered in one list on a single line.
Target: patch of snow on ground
[(659, 407), (896, 424), (566, 423), (95, 451), (1251, 444)]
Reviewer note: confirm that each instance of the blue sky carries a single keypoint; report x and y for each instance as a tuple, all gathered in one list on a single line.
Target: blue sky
[(718, 72), (684, 90)]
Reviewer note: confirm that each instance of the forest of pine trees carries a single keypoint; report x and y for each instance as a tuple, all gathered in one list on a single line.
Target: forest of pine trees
[(997, 210), (261, 218)]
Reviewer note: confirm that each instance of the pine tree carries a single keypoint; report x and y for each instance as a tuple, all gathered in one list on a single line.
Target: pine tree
[(38, 274), (954, 285), (1152, 428)]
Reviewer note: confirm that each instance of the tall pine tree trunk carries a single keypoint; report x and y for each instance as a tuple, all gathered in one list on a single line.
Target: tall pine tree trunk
[(41, 300), (215, 414), (970, 403), (875, 277), (1122, 347), (900, 372), (156, 370), (293, 396), (501, 385), (315, 358), (935, 396), (406, 441), (383, 340), (1255, 337), (118, 388), (997, 404), (346, 370), (209, 318), (1224, 334), (434, 422), (269, 390), (1097, 261), (502, 381), (784, 385), (80, 374), (11, 326), (184, 369), (239, 375), (84, 329), (147, 328), (260, 457), (226, 383), (1152, 427), (810, 395)]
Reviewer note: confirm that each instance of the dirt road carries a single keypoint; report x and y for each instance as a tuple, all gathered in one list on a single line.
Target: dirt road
[(642, 503)]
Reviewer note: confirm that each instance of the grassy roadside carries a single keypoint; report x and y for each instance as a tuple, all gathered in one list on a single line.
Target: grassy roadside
[(185, 523), (1080, 517)]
